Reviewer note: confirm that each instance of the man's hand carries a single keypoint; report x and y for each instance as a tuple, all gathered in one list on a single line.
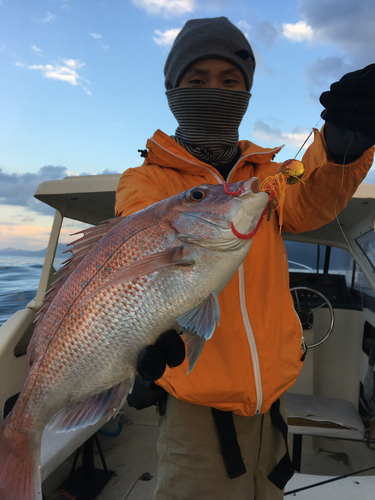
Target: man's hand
[(350, 115), (169, 350), (350, 103)]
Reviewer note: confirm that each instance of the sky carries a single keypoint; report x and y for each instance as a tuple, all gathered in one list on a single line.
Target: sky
[(82, 86)]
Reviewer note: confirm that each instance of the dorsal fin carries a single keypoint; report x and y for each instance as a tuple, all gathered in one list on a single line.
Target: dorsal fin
[(79, 249)]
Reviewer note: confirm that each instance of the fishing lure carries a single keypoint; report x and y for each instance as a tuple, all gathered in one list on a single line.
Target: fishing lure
[(291, 172)]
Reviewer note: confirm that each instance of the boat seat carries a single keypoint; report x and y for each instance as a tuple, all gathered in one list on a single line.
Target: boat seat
[(12, 368), (57, 447), (321, 416)]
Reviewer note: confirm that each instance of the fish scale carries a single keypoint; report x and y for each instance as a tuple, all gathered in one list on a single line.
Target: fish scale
[(156, 270)]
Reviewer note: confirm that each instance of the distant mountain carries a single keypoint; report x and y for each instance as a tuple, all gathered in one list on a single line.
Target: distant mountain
[(14, 252)]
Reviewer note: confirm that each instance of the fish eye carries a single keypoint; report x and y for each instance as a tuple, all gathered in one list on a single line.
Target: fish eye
[(196, 195)]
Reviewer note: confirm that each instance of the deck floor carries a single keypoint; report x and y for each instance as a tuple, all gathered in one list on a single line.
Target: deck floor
[(140, 437), (132, 456)]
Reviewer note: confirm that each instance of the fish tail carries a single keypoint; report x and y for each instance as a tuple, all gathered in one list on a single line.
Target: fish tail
[(19, 466)]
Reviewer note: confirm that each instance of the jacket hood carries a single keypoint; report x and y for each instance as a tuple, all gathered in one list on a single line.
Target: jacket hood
[(162, 149)]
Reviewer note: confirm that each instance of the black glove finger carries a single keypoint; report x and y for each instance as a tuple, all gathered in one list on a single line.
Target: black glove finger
[(345, 104), (350, 103), (151, 363), (352, 121), (172, 346), (359, 84)]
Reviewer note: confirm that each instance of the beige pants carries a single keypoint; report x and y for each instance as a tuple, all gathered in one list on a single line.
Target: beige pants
[(191, 466)]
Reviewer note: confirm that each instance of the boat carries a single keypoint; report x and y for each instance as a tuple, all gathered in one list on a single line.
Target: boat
[(330, 409)]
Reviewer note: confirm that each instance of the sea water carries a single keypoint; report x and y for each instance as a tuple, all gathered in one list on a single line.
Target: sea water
[(19, 280)]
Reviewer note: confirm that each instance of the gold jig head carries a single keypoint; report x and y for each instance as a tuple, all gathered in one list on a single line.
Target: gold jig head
[(293, 171)]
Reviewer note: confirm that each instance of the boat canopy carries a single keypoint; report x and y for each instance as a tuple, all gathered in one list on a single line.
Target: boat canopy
[(91, 199), (86, 198)]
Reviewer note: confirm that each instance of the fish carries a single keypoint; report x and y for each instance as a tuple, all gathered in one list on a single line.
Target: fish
[(128, 280)]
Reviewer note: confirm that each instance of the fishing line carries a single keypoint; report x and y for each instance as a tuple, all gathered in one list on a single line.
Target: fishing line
[(350, 249), (343, 165), (312, 130), (293, 492)]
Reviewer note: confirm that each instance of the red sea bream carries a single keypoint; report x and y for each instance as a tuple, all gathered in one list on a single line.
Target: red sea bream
[(128, 280)]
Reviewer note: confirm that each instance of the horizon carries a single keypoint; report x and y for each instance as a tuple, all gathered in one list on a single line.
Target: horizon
[(82, 86)]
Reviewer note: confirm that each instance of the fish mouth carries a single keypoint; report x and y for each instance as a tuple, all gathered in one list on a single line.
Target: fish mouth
[(249, 215), (244, 187), (251, 207)]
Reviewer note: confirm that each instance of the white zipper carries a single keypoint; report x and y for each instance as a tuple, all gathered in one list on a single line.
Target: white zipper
[(251, 340), (245, 316)]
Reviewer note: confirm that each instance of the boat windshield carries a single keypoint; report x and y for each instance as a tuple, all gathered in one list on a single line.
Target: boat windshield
[(313, 258), (367, 243)]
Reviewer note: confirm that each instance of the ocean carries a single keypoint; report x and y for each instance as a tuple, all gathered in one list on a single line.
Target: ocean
[(19, 280)]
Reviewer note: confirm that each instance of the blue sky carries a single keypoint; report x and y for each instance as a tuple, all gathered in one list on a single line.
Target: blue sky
[(82, 84)]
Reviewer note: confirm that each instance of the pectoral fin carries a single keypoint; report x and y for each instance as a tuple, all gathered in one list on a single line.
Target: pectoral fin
[(88, 412), (199, 325)]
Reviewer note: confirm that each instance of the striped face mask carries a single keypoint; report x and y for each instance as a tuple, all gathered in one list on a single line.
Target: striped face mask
[(208, 121)]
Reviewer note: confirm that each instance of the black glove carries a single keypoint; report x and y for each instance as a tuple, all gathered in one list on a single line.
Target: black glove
[(350, 106), (145, 394), (350, 103), (169, 350)]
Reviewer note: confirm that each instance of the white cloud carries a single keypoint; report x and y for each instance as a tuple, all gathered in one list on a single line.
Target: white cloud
[(98, 37), (346, 24), (167, 37), (174, 7), (244, 27), (35, 49), (66, 73), (48, 18), (74, 63), (266, 133), (87, 91), (299, 32)]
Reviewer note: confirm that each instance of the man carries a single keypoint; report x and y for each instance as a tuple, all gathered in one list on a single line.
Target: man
[(222, 434)]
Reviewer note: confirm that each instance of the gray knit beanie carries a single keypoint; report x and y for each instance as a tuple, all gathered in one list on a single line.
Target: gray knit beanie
[(210, 38)]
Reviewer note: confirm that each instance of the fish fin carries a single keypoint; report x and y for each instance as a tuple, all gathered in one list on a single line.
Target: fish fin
[(150, 264), (199, 324), (202, 318), (194, 346), (88, 412), (80, 248), (19, 466)]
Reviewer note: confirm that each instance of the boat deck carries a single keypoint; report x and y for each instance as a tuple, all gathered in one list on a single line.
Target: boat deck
[(133, 457)]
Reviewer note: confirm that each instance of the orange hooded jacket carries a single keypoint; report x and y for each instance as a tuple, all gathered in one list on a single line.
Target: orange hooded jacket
[(255, 354)]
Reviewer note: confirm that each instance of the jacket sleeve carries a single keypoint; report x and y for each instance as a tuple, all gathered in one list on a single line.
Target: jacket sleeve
[(325, 189), (138, 189)]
